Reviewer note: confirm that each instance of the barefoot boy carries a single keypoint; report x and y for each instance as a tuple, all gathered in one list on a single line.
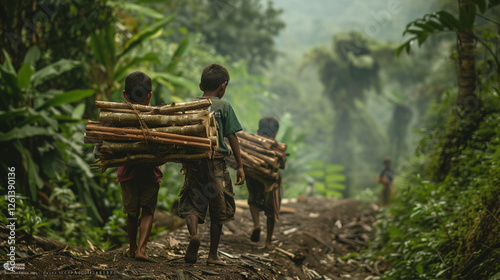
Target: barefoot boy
[(207, 183), (264, 197), (140, 183)]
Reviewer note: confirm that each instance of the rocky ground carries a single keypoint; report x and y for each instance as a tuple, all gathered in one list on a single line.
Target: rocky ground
[(318, 238)]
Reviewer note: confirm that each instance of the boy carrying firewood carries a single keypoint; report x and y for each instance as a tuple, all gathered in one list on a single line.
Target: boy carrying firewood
[(207, 182), (265, 196), (139, 183)]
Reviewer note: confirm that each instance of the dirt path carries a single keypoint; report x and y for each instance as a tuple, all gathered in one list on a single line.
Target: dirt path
[(319, 241)]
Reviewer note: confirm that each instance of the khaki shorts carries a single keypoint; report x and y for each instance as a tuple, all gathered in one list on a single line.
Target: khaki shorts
[(136, 195), (207, 186)]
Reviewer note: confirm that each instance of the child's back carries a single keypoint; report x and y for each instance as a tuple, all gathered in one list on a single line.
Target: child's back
[(261, 196), (207, 185), (139, 184)]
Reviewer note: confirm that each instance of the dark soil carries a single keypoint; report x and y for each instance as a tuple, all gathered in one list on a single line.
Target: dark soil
[(322, 240)]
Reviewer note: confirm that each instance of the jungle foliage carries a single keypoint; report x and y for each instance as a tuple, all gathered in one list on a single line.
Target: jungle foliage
[(444, 223), (57, 58), (342, 108)]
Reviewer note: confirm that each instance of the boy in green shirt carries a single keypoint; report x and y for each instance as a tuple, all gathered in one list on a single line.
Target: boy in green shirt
[(207, 184)]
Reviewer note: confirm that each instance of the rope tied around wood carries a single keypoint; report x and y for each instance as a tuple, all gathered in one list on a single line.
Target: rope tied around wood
[(145, 129)]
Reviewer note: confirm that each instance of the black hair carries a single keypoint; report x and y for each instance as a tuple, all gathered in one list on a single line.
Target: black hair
[(268, 126), (137, 86), (213, 76)]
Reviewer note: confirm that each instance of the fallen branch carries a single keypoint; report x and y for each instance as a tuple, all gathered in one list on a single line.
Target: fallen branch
[(288, 254)]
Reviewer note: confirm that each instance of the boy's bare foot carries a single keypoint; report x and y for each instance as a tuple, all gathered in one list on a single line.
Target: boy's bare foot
[(130, 253), (255, 237), (192, 250), (141, 256)]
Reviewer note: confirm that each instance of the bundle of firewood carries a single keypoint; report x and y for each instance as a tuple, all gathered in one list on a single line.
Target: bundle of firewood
[(131, 134), (262, 157)]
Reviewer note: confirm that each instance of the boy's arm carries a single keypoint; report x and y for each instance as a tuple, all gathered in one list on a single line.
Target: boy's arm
[(235, 146)]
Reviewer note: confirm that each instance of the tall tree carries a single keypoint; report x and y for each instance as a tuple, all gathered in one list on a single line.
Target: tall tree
[(241, 30), (50, 25), (467, 102), (347, 73), (467, 37), (467, 56)]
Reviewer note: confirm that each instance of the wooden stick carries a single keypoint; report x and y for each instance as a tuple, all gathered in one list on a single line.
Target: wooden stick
[(286, 253), (200, 130), (98, 137), (249, 142), (153, 133), (267, 143), (148, 159), (247, 145), (253, 160), (152, 113), (113, 148), (166, 109), (262, 174), (123, 119), (272, 162)]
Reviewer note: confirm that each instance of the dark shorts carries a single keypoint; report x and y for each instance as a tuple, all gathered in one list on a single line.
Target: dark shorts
[(207, 186), (267, 201), (137, 194)]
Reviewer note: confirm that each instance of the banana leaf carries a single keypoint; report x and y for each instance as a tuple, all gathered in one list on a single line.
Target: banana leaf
[(147, 33), (25, 132), (53, 70), (67, 97)]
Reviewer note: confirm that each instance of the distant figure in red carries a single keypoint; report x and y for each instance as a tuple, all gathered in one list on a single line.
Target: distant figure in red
[(265, 196), (140, 183), (386, 178)]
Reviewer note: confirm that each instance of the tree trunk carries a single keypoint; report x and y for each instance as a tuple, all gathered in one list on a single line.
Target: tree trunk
[(467, 100), (342, 148)]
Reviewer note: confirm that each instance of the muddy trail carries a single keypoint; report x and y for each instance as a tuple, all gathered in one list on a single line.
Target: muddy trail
[(315, 239)]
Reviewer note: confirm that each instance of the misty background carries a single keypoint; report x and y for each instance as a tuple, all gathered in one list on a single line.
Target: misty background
[(326, 69), (302, 102)]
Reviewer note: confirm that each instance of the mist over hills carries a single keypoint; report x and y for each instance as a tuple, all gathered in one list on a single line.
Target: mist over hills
[(311, 23)]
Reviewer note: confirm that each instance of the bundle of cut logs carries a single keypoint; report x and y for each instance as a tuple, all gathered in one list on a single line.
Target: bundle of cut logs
[(131, 134), (262, 157)]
